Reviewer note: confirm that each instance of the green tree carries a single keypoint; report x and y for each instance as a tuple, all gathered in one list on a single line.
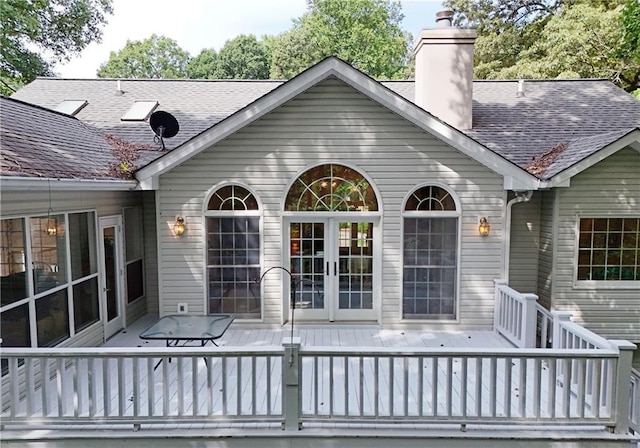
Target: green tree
[(547, 39), (243, 57), (155, 57), (364, 33), (36, 34), (629, 47), (204, 65)]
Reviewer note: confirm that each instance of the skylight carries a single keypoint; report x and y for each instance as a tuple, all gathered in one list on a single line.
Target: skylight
[(140, 111), (71, 107)]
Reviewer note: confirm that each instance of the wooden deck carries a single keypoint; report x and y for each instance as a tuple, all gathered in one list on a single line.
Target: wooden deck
[(357, 378), (326, 335)]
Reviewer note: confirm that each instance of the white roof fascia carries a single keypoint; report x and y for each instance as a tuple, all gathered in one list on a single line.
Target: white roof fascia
[(562, 179), (364, 84), (43, 183)]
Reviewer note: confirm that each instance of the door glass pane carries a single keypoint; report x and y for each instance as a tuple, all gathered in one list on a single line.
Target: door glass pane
[(355, 265), (110, 272), (307, 263)]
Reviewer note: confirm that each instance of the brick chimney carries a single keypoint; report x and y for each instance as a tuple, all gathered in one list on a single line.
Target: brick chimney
[(444, 71)]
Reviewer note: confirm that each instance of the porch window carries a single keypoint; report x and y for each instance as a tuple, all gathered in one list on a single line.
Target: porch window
[(50, 284), (609, 249), (430, 247), (84, 269), (233, 252)]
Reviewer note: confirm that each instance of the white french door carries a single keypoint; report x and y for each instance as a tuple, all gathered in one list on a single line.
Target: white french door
[(334, 268), (111, 278)]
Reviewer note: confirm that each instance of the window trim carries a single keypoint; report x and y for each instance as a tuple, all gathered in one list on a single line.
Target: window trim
[(206, 213), (598, 284), (432, 214)]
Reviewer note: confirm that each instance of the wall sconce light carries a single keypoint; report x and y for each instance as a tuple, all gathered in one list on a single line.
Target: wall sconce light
[(484, 227), (178, 227)]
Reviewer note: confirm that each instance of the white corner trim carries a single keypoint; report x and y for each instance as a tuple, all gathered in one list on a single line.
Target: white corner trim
[(365, 85), (30, 184), (563, 178)]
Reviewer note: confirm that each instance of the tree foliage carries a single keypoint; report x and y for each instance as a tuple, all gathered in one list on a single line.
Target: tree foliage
[(243, 57), (364, 33), (549, 38), (35, 34), (629, 47), (156, 57), (204, 65)]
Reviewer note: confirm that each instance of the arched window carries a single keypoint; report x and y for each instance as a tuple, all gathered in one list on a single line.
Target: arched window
[(331, 187), (233, 252), (430, 254)]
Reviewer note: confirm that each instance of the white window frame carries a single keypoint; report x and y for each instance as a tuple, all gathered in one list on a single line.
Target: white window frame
[(432, 214), (598, 284), (228, 214)]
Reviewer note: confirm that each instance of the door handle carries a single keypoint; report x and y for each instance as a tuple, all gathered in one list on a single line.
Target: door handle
[(335, 268), (327, 270)]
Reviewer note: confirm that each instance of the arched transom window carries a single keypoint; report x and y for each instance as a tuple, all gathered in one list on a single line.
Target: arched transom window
[(331, 187), (232, 197), (430, 259), (233, 252)]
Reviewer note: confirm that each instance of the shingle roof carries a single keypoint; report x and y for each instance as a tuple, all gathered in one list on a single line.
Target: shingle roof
[(520, 129), (37, 142)]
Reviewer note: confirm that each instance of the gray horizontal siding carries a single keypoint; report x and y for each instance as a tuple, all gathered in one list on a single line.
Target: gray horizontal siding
[(545, 256), (105, 203), (610, 188), (525, 243), (332, 123)]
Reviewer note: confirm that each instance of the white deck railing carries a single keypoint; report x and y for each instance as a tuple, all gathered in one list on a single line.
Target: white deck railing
[(97, 385), (488, 386), (515, 315), (582, 380), (296, 384)]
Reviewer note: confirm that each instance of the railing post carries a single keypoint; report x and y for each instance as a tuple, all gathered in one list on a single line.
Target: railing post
[(558, 318), (623, 384), (291, 383), (529, 320), (497, 304)]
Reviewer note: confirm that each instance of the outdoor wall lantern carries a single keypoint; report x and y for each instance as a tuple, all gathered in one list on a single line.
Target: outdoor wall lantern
[(178, 227), (484, 227), (52, 228)]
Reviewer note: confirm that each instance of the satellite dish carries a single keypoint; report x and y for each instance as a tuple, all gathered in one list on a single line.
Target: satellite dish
[(164, 125)]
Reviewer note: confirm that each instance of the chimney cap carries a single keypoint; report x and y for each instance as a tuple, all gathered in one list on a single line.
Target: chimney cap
[(444, 18)]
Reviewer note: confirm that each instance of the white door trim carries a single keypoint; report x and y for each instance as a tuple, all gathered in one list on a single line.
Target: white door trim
[(116, 324), (331, 311)]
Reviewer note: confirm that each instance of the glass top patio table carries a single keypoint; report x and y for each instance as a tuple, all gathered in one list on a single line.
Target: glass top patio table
[(185, 327)]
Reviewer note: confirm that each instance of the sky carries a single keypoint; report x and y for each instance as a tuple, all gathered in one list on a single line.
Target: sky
[(199, 24)]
